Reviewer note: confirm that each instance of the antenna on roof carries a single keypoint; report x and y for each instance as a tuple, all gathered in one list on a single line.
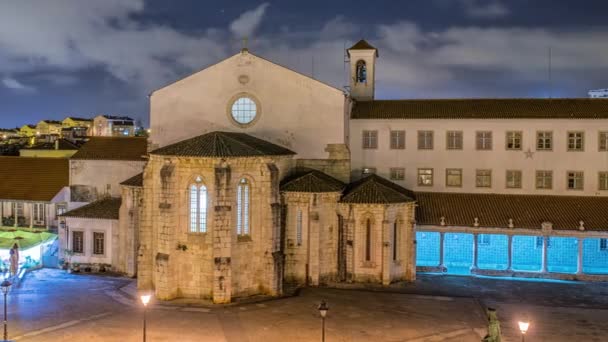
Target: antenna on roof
[(244, 44), (313, 68), (345, 71)]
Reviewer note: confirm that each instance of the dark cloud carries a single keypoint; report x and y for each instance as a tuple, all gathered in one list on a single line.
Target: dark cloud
[(441, 48)]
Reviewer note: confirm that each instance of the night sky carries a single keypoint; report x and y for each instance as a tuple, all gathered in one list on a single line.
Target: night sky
[(83, 58)]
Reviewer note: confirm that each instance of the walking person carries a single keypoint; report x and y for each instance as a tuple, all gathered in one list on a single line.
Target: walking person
[(14, 259)]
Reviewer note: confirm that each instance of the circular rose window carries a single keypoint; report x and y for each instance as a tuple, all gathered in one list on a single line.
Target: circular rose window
[(244, 110)]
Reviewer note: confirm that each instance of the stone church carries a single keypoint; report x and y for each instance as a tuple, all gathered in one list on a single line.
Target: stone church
[(248, 185), (257, 177)]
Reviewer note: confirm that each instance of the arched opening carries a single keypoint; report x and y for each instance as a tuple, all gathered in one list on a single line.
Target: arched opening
[(242, 207), (198, 206), (368, 240), (361, 72)]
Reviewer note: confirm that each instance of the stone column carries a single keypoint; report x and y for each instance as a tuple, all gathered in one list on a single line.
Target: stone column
[(441, 237), (475, 252), (15, 214), (31, 205), (509, 252), (313, 243), (349, 225), (544, 257), (222, 238), (49, 210), (386, 253), (579, 260)]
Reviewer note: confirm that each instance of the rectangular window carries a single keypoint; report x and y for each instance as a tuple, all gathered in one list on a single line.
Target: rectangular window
[(299, 227), (39, 213), (603, 244), (99, 244), (483, 178), (576, 141), (61, 208), (514, 140), (603, 141), (544, 179), (544, 141), (397, 140), (370, 140), (603, 179), (575, 180), (425, 177), (513, 179), (78, 242), (454, 140), (484, 140), (425, 140), (368, 170), (18, 209), (397, 173), (453, 178)]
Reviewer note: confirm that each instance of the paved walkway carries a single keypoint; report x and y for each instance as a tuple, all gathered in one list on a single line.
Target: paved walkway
[(54, 306)]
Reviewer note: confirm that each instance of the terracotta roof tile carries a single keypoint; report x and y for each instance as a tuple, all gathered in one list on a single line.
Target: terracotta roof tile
[(527, 211), (223, 145), (107, 208), (482, 109), (113, 148), (374, 189), (137, 180), (312, 181), (32, 179)]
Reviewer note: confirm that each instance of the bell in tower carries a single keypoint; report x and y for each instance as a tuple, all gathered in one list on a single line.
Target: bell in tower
[(362, 69)]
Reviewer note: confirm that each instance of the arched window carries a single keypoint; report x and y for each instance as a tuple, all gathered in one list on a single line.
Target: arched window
[(361, 72), (368, 240), (299, 227), (242, 207), (198, 206)]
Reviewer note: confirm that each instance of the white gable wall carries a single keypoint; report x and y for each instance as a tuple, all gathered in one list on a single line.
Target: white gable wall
[(297, 112)]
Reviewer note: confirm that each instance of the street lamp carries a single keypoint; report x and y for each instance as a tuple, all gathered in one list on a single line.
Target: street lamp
[(145, 299), (323, 308), (523, 327), (5, 285)]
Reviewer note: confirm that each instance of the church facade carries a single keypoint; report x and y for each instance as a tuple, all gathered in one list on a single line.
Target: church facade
[(258, 176)]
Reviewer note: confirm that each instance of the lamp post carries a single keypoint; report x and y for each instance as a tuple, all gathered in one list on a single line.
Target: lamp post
[(523, 327), (145, 299), (323, 308), (5, 285)]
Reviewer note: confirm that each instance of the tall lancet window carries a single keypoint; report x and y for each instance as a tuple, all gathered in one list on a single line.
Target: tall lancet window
[(242, 207), (198, 206), (299, 227), (361, 72), (368, 240)]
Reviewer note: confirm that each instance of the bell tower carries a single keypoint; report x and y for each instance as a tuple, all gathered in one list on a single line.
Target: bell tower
[(362, 58)]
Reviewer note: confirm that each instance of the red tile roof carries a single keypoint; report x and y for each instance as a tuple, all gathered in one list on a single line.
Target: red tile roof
[(482, 109), (526, 211), (113, 148), (32, 179)]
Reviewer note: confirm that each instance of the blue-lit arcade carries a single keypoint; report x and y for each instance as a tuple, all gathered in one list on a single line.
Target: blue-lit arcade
[(502, 254)]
